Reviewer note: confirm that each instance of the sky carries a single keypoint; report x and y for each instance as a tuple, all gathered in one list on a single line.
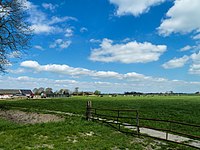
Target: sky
[(110, 45)]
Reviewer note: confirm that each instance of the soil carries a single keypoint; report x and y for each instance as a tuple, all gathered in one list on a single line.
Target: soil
[(28, 117)]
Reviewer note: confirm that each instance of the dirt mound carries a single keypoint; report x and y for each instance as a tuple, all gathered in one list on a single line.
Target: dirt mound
[(28, 117)]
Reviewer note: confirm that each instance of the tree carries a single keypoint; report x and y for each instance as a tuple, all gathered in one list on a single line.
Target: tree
[(64, 91), (15, 32), (35, 91), (97, 92), (40, 90), (76, 90), (49, 91)]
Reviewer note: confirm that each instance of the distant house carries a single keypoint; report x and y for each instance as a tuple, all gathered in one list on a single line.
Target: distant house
[(9, 93)]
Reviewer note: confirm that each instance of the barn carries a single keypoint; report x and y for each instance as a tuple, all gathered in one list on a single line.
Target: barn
[(9, 93)]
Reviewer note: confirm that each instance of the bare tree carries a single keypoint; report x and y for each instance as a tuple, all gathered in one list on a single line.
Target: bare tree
[(15, 32)]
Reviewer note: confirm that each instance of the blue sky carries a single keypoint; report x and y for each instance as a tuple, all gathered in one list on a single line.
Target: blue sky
[(110, 45)]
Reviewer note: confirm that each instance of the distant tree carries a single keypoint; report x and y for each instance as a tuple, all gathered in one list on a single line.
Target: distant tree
[(15, 32), (49, 91), (97, 92), (61, 91), (35, 91), (41, 90), (76, 90), (64, 91)]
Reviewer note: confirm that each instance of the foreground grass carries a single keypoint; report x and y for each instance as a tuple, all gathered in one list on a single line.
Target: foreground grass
[(76, 133), (73, 133)]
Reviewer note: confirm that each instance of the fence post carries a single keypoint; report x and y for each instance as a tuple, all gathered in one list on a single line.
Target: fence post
[(169, 130), (137, 123), (88, 110), (118, 120), (166, 135)]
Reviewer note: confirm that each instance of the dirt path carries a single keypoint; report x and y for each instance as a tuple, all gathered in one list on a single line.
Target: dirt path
[(28, 117)]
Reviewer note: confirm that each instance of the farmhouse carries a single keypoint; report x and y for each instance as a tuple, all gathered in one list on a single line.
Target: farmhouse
[(9, 93)]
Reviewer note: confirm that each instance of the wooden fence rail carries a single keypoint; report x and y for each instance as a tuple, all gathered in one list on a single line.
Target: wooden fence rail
[(94, 114)]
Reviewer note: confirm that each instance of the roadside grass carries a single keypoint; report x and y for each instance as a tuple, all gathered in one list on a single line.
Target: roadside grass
[(73, 133), (176, 108)]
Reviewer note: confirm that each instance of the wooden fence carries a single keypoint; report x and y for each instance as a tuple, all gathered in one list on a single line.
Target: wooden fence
[(115, 118)]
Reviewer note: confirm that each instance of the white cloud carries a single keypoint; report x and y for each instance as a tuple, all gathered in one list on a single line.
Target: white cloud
[(83, 29), (77, 72), (43, 28), (134, 7), (56, 20), (30, 64), (195, 66), (106, 74), (25, 82), (39, 47), (59, 43), (194, 48), (196, 37), (195, 69), (182, 17), (95, 41), (131, 52), (106, 81), (186, 48), (195, 57), (69, 32), (136, 76), (176, 62), (42, 23), (17, 71), (50, 6)]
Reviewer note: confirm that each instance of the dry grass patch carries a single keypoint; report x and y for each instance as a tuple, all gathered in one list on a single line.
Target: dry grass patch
[(28, 117)]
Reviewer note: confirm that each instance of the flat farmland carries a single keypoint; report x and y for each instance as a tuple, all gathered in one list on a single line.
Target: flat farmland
[(177, 108)]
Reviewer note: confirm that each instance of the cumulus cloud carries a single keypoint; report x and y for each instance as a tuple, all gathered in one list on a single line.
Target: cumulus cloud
[(182, 17), (196, 37), (69, 32), (193, 60), (186, 48), (136, 7), (50, 6), (30, 64), (95, 41), (195, 66), (26, 82), (67, 70), (39, 47), (41, 22), (119, 83), (176, 62), (78, 72), (17, 71), (83, 29), (131, 52), (59, 43), (56, 20)]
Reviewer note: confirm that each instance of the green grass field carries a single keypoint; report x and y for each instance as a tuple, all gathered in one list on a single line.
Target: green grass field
[(178, 108)]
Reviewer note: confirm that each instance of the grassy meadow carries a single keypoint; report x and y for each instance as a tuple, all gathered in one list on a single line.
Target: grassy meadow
[(76, 133)]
